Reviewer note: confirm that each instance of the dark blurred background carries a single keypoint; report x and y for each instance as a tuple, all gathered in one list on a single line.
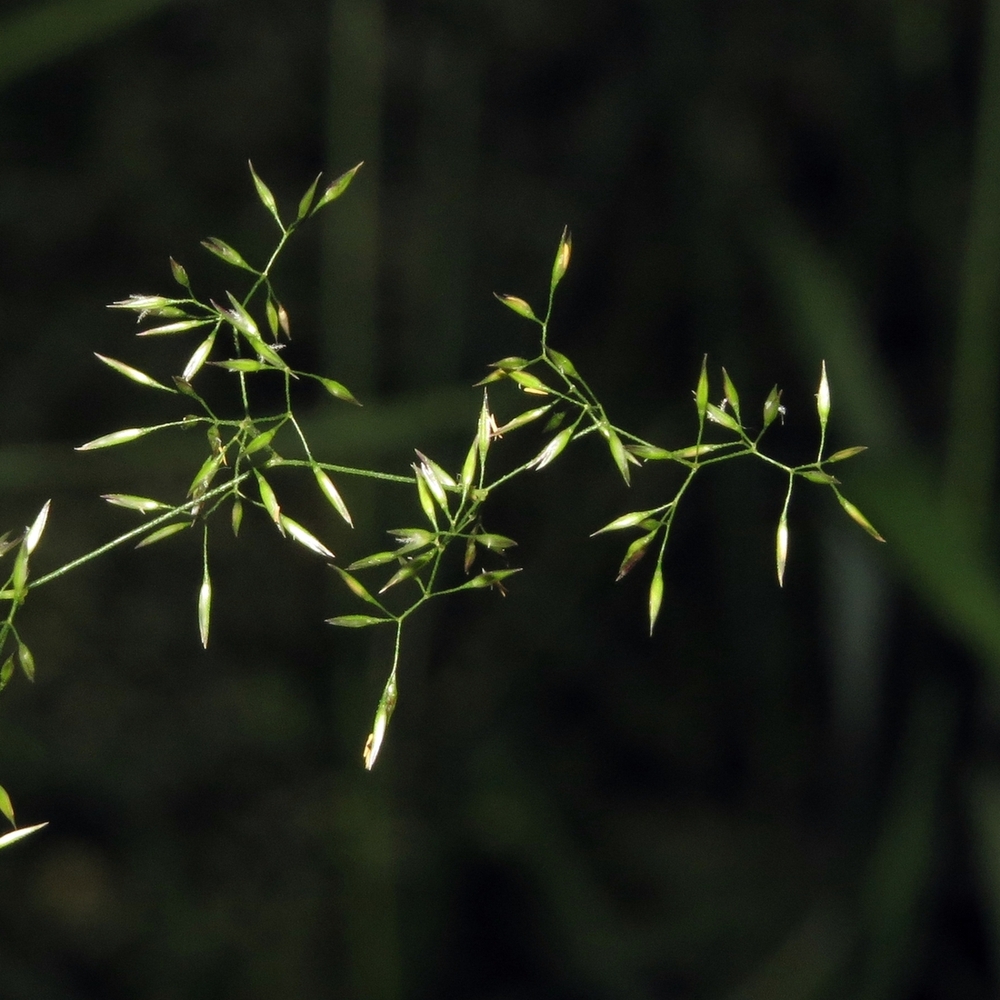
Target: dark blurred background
[(785, 794)]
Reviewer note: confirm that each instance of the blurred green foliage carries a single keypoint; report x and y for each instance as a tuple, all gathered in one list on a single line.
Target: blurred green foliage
[(783, 794)]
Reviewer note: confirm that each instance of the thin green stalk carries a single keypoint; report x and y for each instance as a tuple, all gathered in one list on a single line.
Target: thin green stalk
[(142, 529), (347, 470)]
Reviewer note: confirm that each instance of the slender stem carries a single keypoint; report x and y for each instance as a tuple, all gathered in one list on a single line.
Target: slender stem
[(788, 495), (135, 532), (822, 443), (347, 470), (770, 461), (298, 430), (396, 646)]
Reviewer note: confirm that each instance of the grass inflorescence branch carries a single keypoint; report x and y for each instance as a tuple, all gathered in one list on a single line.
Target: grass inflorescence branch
[(247, 336)]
